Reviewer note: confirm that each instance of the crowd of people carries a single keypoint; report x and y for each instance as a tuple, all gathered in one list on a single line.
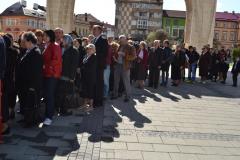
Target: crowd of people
[(47, 66)]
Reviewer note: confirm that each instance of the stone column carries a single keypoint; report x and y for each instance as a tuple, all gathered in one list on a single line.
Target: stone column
[(60, 14), (200, 22)]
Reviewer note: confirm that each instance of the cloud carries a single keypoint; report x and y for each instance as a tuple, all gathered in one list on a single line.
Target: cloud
[(174, 5), (220, 6)]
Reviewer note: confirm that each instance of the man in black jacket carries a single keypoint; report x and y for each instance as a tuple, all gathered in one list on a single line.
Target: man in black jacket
[(165, 64), (101, 45), (2, 72), (154, 62), (193, 58)]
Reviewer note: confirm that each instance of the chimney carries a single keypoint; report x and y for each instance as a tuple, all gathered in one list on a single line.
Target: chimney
[(24, 3), (35, 6), (86, 17), (233, 12)]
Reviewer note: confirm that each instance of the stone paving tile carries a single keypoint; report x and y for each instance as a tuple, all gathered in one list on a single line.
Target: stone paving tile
[(145, 139), (115, 145), (191, 149), (181, 156), (156, 156), (140, 147), (124, 154), (165, 148)]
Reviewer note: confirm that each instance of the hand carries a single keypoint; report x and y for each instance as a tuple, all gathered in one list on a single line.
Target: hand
[(159, 67), (78, 70), (31, 89)]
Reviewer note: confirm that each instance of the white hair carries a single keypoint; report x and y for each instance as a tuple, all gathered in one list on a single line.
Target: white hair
[(122, 37)]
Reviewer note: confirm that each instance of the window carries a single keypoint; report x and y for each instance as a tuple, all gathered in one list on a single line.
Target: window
[(181, 33), (224, 36), (143, 14), (151, 15), (175, 32), (142, 24), (168, 22), (168, 30), (233, 36), (234, 25), (11, 22), (225, 25), (216, 35), (175, 22), (218, 24)]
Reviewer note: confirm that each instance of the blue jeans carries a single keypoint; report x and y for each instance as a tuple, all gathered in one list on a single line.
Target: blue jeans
[(192, 72), (49, 95), (106, 76)]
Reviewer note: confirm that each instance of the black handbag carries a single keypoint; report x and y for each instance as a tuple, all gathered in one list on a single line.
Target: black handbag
[(73, 100)]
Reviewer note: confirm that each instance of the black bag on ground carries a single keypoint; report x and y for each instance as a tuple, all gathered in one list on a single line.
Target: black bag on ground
[(32, 113)]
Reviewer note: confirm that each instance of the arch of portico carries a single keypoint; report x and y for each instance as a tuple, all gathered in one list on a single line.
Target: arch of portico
[(199, 29)]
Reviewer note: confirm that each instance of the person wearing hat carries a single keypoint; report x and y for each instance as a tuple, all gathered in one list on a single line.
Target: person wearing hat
[(88, 78)]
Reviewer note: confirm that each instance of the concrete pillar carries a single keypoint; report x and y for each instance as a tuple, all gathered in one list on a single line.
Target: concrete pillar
[(200, 22), (60, 14)]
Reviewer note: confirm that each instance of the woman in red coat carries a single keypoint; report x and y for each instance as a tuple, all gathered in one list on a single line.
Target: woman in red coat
[(142, 59), (52, 69)]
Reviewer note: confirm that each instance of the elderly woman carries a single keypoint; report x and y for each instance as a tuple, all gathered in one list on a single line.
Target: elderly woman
[(204, 64), (69, 67), (52, 68), (142, 59), (89, 77), (30, 77), (40, 43), (177, 65)]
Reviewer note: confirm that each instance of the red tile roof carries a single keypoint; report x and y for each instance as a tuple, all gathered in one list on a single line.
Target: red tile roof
[(225, 16)]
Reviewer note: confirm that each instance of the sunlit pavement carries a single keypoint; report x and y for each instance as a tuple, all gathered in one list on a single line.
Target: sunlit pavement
[(190, 122)]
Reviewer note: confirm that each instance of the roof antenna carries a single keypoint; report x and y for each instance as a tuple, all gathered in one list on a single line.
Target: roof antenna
[(24, 3)]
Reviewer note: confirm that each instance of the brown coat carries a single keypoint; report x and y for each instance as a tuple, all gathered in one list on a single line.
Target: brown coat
[(130, 55)]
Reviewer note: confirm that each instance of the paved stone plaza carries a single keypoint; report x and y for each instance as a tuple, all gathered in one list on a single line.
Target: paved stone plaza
[(191, 122)]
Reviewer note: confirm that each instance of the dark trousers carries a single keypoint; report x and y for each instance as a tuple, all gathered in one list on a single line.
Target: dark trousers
[(165, 76), (8, 99), (154, 74), (234, 78), (49, 95), (98, 100)]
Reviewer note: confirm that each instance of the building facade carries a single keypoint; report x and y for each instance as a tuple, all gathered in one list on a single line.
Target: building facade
[(83, 24), (226, 31), (137, 18), (174, 23), (17, 18)]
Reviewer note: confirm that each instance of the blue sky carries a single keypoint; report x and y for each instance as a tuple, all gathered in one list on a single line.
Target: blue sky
[(105, 9)]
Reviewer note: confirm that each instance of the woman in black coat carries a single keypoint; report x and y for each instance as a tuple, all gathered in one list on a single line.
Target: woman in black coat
[(89, 77), (30, 78), (204, 64), (215, 65), (69, 69), (9, 96), (177, 65)]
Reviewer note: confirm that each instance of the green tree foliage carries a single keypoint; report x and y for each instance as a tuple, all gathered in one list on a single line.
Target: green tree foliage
[(236, 53), (158, 35)]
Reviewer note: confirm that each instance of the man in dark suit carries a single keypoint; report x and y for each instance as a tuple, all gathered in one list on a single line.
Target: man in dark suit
[(101, 45), (3, 128)]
